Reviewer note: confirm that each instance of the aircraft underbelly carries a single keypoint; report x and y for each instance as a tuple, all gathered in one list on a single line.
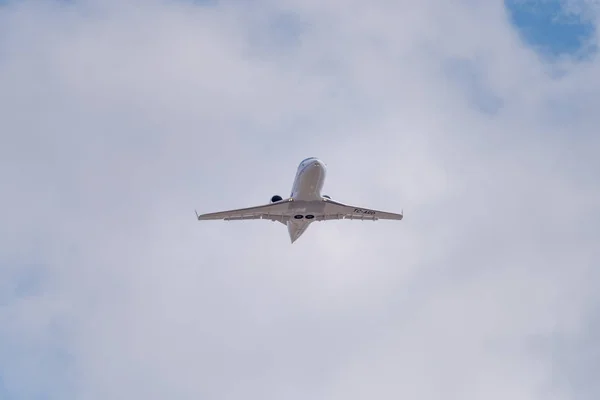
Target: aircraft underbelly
[(309, 184)]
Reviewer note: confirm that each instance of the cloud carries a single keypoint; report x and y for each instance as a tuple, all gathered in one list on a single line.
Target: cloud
[(120, 118)]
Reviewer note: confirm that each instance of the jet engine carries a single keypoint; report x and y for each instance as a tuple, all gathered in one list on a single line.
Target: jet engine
[(276, 198), (327, 196)]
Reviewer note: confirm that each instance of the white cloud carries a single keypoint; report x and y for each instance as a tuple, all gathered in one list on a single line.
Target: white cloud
[(119, 119)]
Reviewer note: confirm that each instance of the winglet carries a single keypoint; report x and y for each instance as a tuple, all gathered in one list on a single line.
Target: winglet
[(197, 216)]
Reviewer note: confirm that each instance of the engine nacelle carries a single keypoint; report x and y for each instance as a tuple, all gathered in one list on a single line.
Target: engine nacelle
[(276, 198), (327, 196)]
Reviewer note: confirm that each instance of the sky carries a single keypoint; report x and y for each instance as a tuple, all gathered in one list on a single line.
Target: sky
[(476, 118)]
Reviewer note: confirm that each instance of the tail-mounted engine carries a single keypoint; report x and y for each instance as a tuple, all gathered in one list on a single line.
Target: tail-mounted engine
[(276, 198)]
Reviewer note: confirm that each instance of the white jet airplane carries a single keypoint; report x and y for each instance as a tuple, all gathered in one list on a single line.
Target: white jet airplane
[(304, 206)]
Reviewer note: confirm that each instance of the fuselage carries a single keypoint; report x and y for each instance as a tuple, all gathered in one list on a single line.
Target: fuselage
[(309, 181)]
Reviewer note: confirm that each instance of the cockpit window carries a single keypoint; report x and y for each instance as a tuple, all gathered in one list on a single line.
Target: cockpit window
[(307, 159)]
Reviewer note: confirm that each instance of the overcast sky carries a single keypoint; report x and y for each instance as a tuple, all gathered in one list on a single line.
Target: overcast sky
[(120, 117)]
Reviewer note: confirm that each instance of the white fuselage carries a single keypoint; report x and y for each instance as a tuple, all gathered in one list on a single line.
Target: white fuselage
[(308, 184), (309, 180)]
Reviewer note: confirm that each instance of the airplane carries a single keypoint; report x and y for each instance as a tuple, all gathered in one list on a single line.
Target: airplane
[(304, 206)]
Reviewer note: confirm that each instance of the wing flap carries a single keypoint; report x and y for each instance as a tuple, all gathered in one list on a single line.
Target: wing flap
[(280, 218)]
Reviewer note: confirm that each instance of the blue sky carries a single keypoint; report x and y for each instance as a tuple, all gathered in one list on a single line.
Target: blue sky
[(122, 117), (549, 27)]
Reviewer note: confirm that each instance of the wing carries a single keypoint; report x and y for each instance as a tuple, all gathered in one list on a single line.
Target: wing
[(337, 210), (279, 211)]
